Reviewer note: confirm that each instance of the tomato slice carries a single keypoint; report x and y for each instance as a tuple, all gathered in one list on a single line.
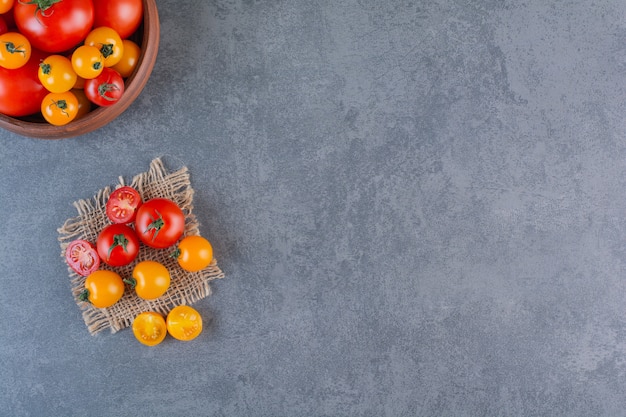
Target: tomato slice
[(149, 328), (82, 257), (184, 323), (123, 204)]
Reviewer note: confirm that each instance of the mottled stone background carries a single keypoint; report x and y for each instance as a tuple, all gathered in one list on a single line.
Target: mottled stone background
[(419, 207)]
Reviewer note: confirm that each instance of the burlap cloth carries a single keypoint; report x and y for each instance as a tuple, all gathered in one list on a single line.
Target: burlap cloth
[(185, 287)]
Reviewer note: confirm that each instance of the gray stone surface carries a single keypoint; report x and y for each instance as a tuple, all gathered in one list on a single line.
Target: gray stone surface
[(419, 207)]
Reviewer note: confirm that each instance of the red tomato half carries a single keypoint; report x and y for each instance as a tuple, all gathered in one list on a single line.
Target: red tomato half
[(106, 89), (21, 91), (122, 205), (160, 223), (56, 27), (82, 257), (117, 245), (123, 16)]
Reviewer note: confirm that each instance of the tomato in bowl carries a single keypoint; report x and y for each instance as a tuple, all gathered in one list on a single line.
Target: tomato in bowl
[(147, 38)]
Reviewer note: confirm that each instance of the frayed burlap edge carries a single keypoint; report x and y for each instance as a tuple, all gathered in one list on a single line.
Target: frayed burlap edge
[(185, 288)]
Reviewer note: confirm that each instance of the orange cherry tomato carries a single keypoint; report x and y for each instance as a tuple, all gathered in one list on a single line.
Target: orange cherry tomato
[(57, 74), (103, 288), (130, 59), (149, 328), (184, 323), (6, 5), (80, 82), (59, 108), (193, 253), (108, 42), (87, 61), (84, 105), (15, 50), (151, 279)]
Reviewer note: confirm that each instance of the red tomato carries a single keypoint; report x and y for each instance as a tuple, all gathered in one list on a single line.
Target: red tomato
[(117, 245), (82, 257), (106, 89), (122, 205), (123, 16), (54, 25), (21, 93), (160, 223)]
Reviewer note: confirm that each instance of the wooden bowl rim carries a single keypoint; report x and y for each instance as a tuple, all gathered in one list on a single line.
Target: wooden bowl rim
[(101, 116)]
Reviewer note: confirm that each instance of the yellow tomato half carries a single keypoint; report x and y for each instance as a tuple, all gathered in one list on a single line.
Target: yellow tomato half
[(149, 328), (184, 323)]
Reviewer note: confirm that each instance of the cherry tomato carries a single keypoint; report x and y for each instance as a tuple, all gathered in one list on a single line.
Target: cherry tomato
[(160, 223), (79, 84), (193, 253), (117, 245), (59, 108), (103, 288), (149, 328), (106, 89), (184, 323), (108, 42), (15, 50), (150, 280), (6, 5), (87, 62), (84, 105), (123, 16), (56, 74), (129, 60), (82, 257), (54, 25), (122, 205), (21, 92)]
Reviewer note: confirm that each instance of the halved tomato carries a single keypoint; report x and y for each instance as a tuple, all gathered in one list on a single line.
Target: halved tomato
[(82, 257), (149, 328), (122, 205), (184, 323)]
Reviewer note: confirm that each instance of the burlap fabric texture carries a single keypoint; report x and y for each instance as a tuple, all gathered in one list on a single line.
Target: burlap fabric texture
[(185, 287)]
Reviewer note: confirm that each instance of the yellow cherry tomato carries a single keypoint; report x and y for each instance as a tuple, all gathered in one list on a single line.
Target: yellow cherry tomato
[(59, 108), (151, 279), (108, 42), (84, 105), (6, 5), (15, 50), (103, 288), (149, 328), (57, 74), (129, 60), (87, 61), (194, 253), (184, 323)]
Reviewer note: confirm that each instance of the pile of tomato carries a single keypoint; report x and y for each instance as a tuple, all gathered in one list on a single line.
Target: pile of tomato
[(59, 58), (158, 223)]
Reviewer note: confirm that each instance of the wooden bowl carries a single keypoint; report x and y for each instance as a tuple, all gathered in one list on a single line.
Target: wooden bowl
[(147, 37)]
